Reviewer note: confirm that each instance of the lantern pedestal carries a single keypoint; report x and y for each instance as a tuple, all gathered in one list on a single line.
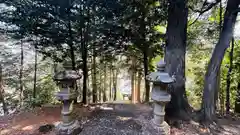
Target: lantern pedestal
[(160, 98), (72, 129), (162, 129), (68, 126)]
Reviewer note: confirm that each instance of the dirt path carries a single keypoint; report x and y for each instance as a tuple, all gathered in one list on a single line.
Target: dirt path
[(112, 119), (120, 119)]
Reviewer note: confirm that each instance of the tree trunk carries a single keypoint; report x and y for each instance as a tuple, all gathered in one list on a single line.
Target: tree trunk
[(84, 42), (139, 79), (72, 55), (133, 93), (54, 67), (110, 83), (216, 96), (94, 78), (221, 99), (229, 78), (208, 107), (21, 75), (178, 107), (89, 94), (115, 85), (105, 83), (4, 106), (145, 52), (85, 73), (35, 74), (133, 82), (70, 43), (147, 86), (237, 100), (100, 87), (219, 71)]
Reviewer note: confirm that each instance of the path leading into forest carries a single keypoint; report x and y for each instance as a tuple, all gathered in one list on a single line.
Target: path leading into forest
[(112, 119), (120, 119)]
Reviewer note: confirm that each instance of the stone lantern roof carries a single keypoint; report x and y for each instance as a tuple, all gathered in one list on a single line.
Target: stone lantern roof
[(68, 74), (160, 75)]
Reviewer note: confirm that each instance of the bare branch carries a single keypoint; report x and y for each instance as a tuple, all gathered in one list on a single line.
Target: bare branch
[(203, 10), (205, 7)]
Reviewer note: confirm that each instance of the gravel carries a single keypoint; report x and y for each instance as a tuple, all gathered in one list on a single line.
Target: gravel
[(123, 119)]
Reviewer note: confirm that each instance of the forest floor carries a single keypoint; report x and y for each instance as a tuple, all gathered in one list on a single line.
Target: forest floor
[(110, 119)]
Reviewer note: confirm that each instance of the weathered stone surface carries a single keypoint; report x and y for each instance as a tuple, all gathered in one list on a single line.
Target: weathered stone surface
[(67, 75), (161, 97), (163, 129), (73, 128), (150, 128), (66, 80), (158, 95), (160, 77), (62, 95)]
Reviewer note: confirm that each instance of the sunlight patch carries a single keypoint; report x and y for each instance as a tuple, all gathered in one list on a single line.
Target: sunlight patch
[(16, 127), (4, 131), (106, 108), (30, 127), (56, 123), (124, 118)]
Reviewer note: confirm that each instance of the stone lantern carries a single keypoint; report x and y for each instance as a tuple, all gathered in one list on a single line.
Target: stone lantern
[(65, 80), (160, 96)]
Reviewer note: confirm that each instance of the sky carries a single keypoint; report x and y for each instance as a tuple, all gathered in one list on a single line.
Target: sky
[(237, 28)]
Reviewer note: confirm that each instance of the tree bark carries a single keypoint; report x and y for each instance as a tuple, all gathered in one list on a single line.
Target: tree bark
[(219, 71), (70, 44), (110, 83), (133, 93), (145, 51), (115, 85), (85, 73), (100, 88), (133, 80), (21, 75), (178, 107), (139, 86), (237, 100), (105, 83), (4, 105), (35, 74), (221, 100), (147, 86), (229, 78), (208, 107), (94, 78), (84, 41), (54, 67)]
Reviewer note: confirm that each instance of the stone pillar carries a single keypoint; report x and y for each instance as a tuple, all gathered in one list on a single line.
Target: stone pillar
[(160, 96), (65, 79)]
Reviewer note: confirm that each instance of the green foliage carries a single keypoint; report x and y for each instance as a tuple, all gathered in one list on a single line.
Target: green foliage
[(114, 29), (46, 89)]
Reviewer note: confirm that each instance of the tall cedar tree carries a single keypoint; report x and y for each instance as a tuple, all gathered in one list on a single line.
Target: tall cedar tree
[(228, 81), (4, 105), (175, 57), (208, 103)]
